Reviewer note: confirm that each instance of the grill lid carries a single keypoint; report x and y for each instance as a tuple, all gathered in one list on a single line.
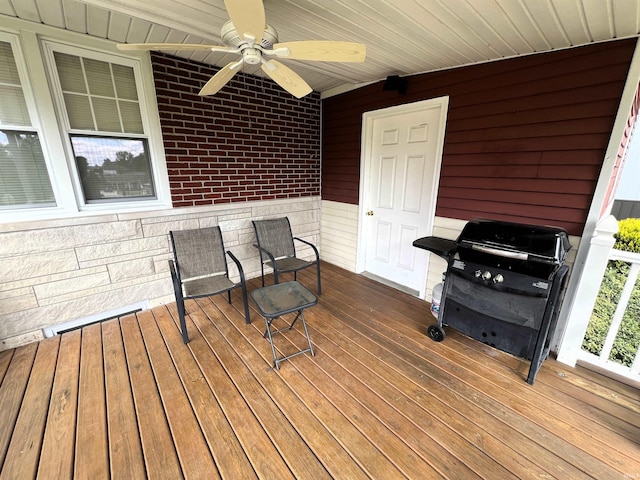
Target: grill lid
[(516, 240)]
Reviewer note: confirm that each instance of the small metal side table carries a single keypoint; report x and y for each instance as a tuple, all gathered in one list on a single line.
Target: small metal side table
[(274, 301)]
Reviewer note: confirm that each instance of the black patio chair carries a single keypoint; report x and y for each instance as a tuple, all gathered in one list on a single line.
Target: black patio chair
[(199, 269), (277, 249)]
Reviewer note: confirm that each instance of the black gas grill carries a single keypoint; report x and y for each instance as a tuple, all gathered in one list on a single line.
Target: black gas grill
[(502, 285)]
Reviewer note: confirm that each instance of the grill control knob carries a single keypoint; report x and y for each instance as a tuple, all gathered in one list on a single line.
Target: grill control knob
[(478, 273), (498, 279), (486, 275)]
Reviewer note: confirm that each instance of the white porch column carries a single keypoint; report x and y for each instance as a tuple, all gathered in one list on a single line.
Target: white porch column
[(578, 320)]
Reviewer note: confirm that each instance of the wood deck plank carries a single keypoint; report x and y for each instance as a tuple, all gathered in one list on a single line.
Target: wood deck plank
[(205, 383), (24, 450), (486, 394), (159, 454), (5, 360), (442, 409), (518, 424), (56, 457), (551, 385), (194, 454), (92, 448), (328, 450), (553, 418), (379, 399), (422, 429), (11, 393), (525, 399), (284, 449), (450, 395), (537, 394), (125, 451), (360, 447), (367, 412)]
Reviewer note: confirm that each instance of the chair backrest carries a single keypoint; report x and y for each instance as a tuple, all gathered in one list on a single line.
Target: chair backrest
[(199, 252), (274, 235)]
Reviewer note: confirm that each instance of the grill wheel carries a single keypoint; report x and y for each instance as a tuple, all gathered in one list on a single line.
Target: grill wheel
[(436, 333)]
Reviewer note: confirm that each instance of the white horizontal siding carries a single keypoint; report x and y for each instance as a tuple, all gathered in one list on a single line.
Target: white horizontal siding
[(339, 238)]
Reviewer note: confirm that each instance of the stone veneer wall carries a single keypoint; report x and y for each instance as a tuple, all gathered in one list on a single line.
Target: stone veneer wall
[(57, 271)]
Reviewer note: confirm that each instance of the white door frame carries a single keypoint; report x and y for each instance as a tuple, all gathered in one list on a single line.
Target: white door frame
[(365, 169)]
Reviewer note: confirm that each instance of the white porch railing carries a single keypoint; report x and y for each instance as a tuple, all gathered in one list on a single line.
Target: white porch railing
[(602, 360), (595, 264)]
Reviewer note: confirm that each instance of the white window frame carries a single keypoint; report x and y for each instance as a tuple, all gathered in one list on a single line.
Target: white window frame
[(33, 47), (13, 40)]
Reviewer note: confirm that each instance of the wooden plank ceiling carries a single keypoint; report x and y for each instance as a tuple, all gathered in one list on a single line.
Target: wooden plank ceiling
[(403, 37)]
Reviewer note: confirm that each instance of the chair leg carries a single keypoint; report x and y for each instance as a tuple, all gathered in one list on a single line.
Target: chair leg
[(319, 281), (262, 269), (229, 296), (183, 323), (247, 315), (306, 332), (268, 335)]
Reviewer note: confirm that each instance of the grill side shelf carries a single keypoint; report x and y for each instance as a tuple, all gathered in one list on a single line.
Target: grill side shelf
[(442, 247)]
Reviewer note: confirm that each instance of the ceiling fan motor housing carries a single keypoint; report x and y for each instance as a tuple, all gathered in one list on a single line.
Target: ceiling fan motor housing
[(231, 38)]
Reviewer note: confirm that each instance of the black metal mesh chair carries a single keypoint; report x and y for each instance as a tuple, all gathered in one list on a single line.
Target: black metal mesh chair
[(277, 249), (199, 269)]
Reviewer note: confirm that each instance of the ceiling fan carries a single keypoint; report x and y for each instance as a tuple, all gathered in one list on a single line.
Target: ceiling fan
[(248, 35)]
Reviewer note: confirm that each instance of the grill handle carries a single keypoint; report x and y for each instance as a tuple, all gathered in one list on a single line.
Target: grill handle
[(500, 253)]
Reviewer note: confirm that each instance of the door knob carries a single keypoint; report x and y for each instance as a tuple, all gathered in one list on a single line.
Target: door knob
[(370, 213)]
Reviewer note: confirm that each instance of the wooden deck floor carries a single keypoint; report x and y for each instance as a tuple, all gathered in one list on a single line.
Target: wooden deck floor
[(125, 399)]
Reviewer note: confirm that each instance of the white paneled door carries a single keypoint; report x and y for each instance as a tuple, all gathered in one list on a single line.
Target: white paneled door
[(402, 155)]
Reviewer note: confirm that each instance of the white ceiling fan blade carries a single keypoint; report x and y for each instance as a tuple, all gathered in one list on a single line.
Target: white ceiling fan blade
[(321, 50), (174, 46), (286, 78), (220, 79), (248, 18)]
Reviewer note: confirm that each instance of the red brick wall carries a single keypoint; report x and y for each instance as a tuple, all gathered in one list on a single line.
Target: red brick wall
[(251, 141)]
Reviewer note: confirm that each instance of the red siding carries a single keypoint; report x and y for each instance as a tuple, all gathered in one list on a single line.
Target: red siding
[(251, 141), (525, 137)]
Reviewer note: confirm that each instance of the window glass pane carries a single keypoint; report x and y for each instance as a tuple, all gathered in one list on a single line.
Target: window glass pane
[(113, 168), (79, 111), (70, 73), (125, 82), (13, 108), (107, 116), (8, 69), (99, 78), (24, 180), (131, 118)]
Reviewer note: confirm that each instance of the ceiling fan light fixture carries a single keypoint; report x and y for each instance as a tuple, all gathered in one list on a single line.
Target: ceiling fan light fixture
[(232, 38), (251, 56), (257, 39)]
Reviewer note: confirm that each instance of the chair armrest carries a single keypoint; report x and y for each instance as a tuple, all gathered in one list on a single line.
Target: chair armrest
[(264, 250), (172, 269), (175, 278), (238, 266), (311, 245)]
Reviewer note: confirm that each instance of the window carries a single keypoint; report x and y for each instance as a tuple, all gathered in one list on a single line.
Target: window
[(24, 179), (113, 168), (79, 128), (105, 128)]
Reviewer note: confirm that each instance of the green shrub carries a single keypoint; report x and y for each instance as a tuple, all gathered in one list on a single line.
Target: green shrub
[(627, 339), (628, 236), (610, 289)]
